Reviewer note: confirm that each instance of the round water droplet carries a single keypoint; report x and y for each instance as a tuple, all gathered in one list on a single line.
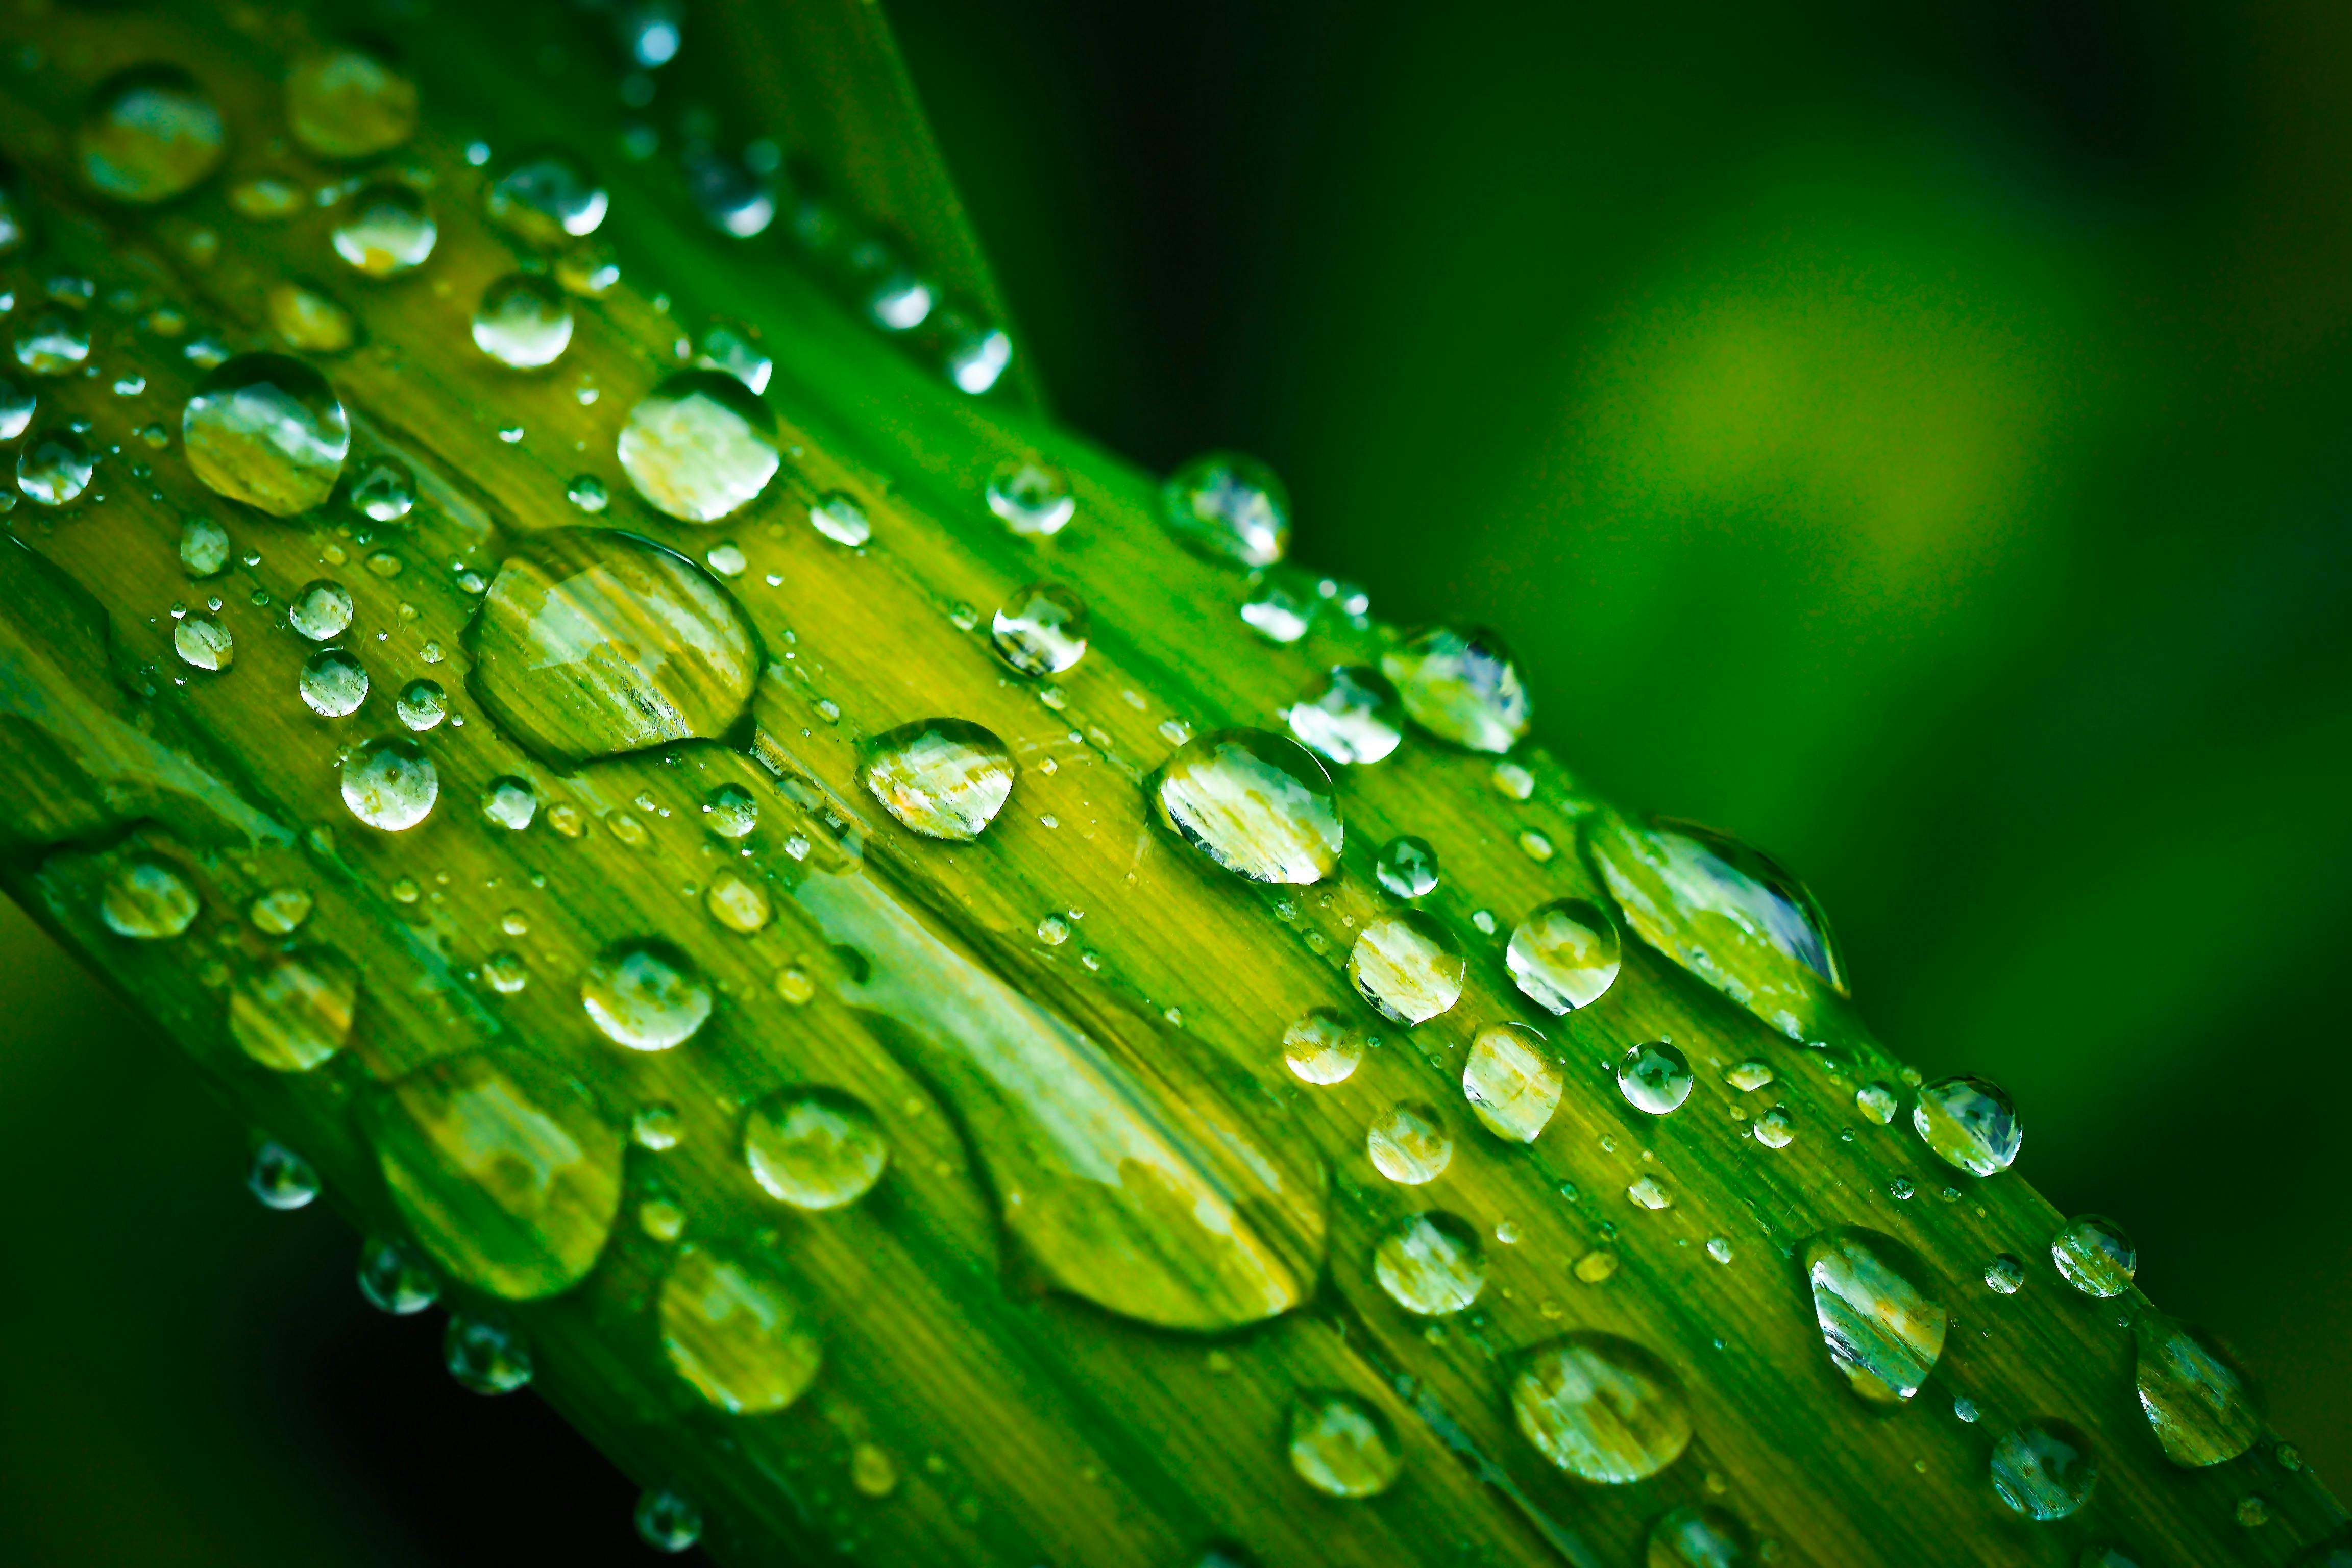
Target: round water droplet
[(1777, 1128), (148, 899), (203, 643), (150, 133), (1281, 605), (1655, 1077), (391, 784), (1970, 1123), (485, 1356), (296, 1013), (52, 344), (345, 103), (1409, 966), (54, 467), (2095, 1255), (1431, 1264), (1690, 1536), (1407, 868), (815, 1149), (395, 1279), (281, 1178), (1042, 629), (589, 270), (2004, 1275), (2043, 1469), (650, 30), (1254, 803), (504, 1169), (1032, 496), (422, 705), (587, 492), (1462, 687), (1355, 718), (591, 644), (511, 802), (524, 321), (1512, 1082), (321, 610), (700, 447), (1877, 1311), (732, 812), (645, 994), (385, 492), (738, 903), (17, 406), (2194, 1398), (1600, 1407), (547, 199), (734, 1335), (1410, 1145), (667, 1519), (1877, 1101), (1228, 507), (734, 348), (267, 431), (306, 319), (279, 912), (385, 230), (943, 778), (841, 518), (1342, 1446), (1564, 955), (658, 1127), (505, 973), (203, 547), (872, 1471), (1322, 1046)]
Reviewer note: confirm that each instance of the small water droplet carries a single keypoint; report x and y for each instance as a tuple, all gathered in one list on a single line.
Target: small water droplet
[(2194, 1398), (16, 406), (1564, 955), (1356, 719), (52, 344), (1407, 868), (395, 1279), (1408, 1144), (656, 1127), (279, 912), (1878, 1316), (700, 447), (1718, 1248), (2043, 1469), (1342, 1446), (730, 811), (1970, 1123), (149, 133), (587, 492), (281, 1178), (1748, 1077), (1321, 1047), (2095, 1255), (1409, 966), (54, 467), (1032, 496), (645, 994), (422, 705), (510, 803), (309, 319), (1512, 1082), (267, 431), (2254, 1511), (1600, 1407), (872, 1471), (1431, 1264), (1254, 803), (1462, 687), (1596, 1266), (1228, 507), (505, 973), (203, 643), (485, 1356), (738, 903), (1877, 1102), (321, 610), (1649, 1192), (203, 547), (1042, 629), (2004, 1275), (734, 1335), (734, 348), (345, 103), (667, 1520), (524, 321), (943, 778), (385, 492), (1696, 1537), (1281, 605), (816, 1149), (296, 1012), (390, 783), (1655, 1077), (1900, 1189), (547, 199), (841, 518), (384, 231)]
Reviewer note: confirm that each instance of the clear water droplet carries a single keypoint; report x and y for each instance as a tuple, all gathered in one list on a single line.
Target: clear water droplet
[(1343, 1447), (52, 344), (1228, 507), (1600, 1407), (2043, 1469), (1654, 1077), (645, 994), (510, 803), (547, 199), (485, 1356), (1321, 1047), (1254, 803), (734, 1334), (281, 1178), (524, 321), (395, 1279), (1719, 1248), (1356, 719), (1042, 629), (203, 643), (384, 231), (667, 1519), (149, 133), (1749, 1076), (422, 705), (1699, 1537), (321, 610), (296, 1012), (345, 103), (147, 900), (203, 547), (587, 492), (1032, 496), (1409, 966), (505, 973), (734, 348), (280, 912), (2196, 1399), (841, 518), (1777, 1128), (700, 447), (1968, 1123), (943, 778), (1877, 1311), (1512, 1082), (816, 1149), (1565, 956), (658, 1127), (1877, 1102), (1281, 605), (1409, 1143), (54, 467), (16, 406), (1407, 868), (730, 812), (738, 903), (1461, 685), (2095, 1255), (267, 431), (587, 270), (391, 784), (2004, 1275), (385, 492)]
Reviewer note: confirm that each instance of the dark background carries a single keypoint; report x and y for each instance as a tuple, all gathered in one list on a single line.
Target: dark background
[(1917, 442)]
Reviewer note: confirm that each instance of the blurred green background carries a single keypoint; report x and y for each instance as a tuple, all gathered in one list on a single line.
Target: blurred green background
[(1920, 443)]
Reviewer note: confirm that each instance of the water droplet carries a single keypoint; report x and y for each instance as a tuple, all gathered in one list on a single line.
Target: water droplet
[(645, 994), (1719, 1248), (2194, 1395), (1462, 687), (1655, 1077), (2004, 1275), (1749, 1076), (1596, 1266), (700, 447), (587, 492), (667, 1519), (524, 322), (281, 1178), (321, 610), (1970, 1123), (503, 1168), (730, 812), (1512, 1082), (1322, 1046), (738, 903), (873, 1472), (1355, 718), (944, 778), (1254, 803), (2254, 1511), (267, 431), (386, 490), (1042, 629), (592, 643), (815, 1149), (734, 1335), (1342, 1446), (344, 103), (734, 348), (841, 518), (1280, 606), (422, 705), (2043, 1469), (1696, 1537), (2095, 1255), (279, 912), (588, 269), (1407, 868), (1877, 1102), (385, 230), (54, 467), (1410, 1145), (148, 899), (203, 643), (395, 1279), (52, 344), (1564, 955), (391, 784), (1409, 966), (17, 406), (1873, 1298), (306, 318), (511, 802), (1777, 1128), (203, 547), (506, 973), (1600, 1407), (1032, 496), (484, 1356), (1431, 1264), (296, 1013), (1229, 508), (150, 133), (1647, 1191), (547, 199)]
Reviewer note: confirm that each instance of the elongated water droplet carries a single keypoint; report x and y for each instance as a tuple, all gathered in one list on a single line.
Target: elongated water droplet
[(1254, 803), (592, 643), (2095, 1255), (296, 1013), (391, 784), (645, 994), (504, 1169), (546, 199), (1877, 1311), (2043, 1469), (2196, 1400), (1564, 955), (321, 610), (815, 1149), (700, 447), (1228, 507), (52, 344), (384, 231), (150, 133), (1042, 629), (486, 1356), (841, 518), (1513, 1082), (734, 348), (1689, 1537), (1431, 1264), (267, 431), (1032, 496), (943, 778), (667, 1519), (1409, 1143), (54, 467), (524, 321), (734, 1334), (1342, 1446), (147, 900), (1970, 1122), (1461, 685), (1409, 966), (1355, 718), (1600, 1407), (1654, 1077), (395, 1279), (1407, 868), (345, 103), (281, 1178)]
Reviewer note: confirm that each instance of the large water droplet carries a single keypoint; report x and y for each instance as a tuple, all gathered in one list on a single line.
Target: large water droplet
[(1407, 868), (1873, 1298), (148, 899), (267, 431), (395, 1279), (486, 1356), (1461, 685), (53, 343), (2194, 1398), (1322, 1046), (281, 1178), (1654, 1077), (1408, 1144), (1409, 966), (1254, 803), (2095, 1255), (524, 322), (667, 1519), (1725, 912), (944, 778), (1228, 508), (700, 447), (1342, 1446), (1691, 1537), (547, 199), (1564, 955), (734, 1335), (296, 1013), (645, 994), (1513, 1081), (503, 1168), (385, 230), (1042, 629), (1970, 1122), (150, 133), (54, 467), (1355, 718), (1600, 1407), (391, 784), (815, 1149), (1431, 1263), (591, 644), (333, 683), (321, 610), (345, 103), (2044, 1469)]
